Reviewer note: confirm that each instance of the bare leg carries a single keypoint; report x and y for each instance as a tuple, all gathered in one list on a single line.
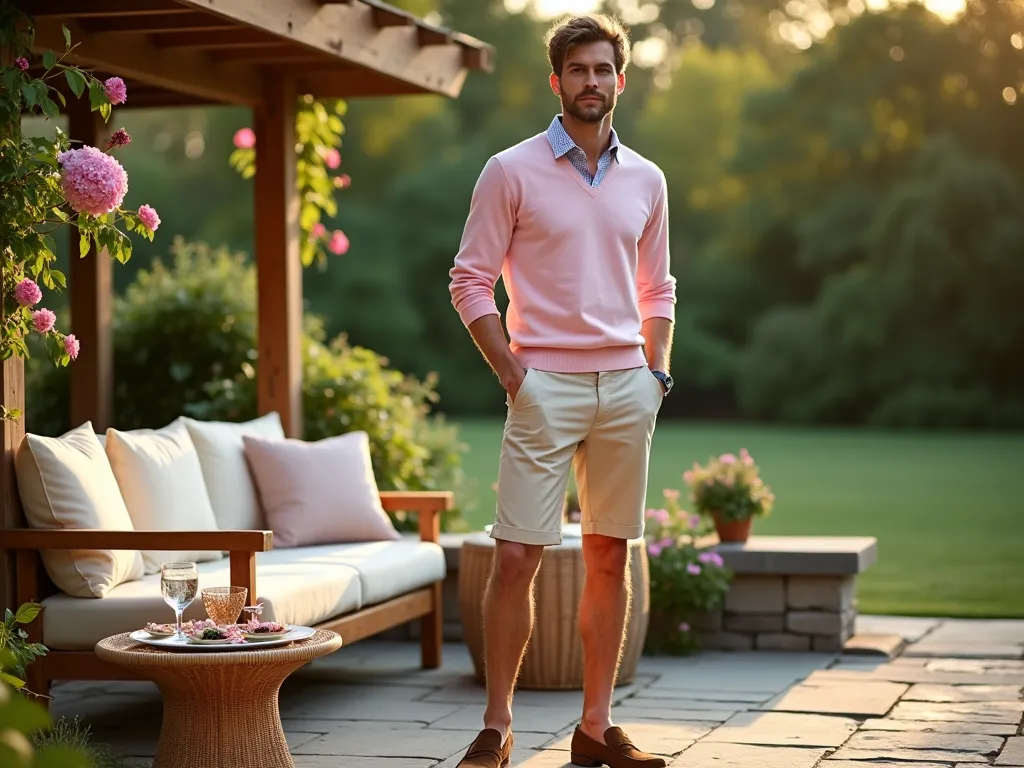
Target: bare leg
[(602, 620), (508, 623)]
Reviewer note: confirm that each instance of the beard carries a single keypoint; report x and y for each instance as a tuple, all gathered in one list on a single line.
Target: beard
[(586, 111)]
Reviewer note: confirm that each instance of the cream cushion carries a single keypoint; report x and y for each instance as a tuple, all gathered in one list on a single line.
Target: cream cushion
[(162, 483), (300, 585), (66, 482), (321, 492), (229, 483)]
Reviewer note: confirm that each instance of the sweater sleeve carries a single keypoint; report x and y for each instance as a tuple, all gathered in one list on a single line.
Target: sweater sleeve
[(656, 287), (485, 241)]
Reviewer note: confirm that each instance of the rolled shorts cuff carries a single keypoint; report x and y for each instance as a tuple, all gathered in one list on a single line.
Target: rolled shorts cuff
[(524, 535), (613, 530)]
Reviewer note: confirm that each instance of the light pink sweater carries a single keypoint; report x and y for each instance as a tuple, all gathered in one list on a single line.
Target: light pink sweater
[(583, 267)]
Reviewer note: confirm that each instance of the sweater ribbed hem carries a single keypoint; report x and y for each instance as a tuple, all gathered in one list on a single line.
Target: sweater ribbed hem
[(559, 360)]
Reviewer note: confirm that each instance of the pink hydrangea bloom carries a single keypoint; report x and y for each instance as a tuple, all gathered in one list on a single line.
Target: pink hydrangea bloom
[(338, 243), (43, 320), (116, 90), (693, 569), (27, 293), (71, 346), (149, 217), (333, 158), (21, 63), (93, 181), (245, 138)]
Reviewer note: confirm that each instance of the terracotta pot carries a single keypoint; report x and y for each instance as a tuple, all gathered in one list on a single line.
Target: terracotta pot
[(738, 531)]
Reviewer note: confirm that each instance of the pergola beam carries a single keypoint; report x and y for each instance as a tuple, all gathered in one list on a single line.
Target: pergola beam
[(84, 9), (171, 21), (136, 58), (353, 31)]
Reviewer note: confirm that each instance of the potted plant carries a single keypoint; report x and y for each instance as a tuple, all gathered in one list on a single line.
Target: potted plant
[(730, 491), (687, 578)]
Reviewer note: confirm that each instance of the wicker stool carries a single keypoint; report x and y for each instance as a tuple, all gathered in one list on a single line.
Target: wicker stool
[(554, 656), (220, 708)]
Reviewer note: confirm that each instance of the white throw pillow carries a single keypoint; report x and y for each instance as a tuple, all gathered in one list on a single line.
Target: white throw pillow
[(322, 492), (233, 495), (66, 482), (162, 484)]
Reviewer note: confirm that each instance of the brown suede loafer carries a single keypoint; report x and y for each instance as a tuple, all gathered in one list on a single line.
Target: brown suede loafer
[(487, 751), (617, 751)]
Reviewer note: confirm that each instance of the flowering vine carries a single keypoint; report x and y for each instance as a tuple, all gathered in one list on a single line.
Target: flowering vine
[(47, 183), (318, 136)]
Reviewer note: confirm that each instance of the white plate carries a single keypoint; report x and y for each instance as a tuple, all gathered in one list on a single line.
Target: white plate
[(294, 634)]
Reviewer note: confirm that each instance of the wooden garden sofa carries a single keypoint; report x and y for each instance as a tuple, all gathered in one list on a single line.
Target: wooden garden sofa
[(32, 584), (357, 589)]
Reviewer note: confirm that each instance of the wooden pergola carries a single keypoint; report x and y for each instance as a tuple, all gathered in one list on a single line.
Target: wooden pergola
[(262, 54)]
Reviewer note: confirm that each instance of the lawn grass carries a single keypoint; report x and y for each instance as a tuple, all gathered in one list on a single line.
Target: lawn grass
[(947, 508)]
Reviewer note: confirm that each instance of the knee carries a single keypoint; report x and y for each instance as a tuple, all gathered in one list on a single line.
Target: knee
[(607, 557), (515, 562)]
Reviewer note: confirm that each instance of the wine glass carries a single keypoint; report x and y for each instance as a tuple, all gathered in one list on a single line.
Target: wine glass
[(179, 583)]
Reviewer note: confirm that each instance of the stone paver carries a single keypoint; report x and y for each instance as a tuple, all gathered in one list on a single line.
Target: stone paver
[(962, 693), (707, 754), (371, 706), (785, 730), (858, 698), (1013, 752)]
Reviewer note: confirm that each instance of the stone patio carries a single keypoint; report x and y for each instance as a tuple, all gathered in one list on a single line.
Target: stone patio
[(951, 698)]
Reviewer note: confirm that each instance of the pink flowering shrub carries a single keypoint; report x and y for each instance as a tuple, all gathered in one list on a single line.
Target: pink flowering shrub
[(688, 578), (318, 130), (730, 487), (46, 184)]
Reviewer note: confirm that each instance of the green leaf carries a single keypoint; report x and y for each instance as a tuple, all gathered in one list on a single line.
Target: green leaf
[(97, 95), (67, 35), (28, 92), (50, 109), (83, 244), (27, 612), (58, 278), (60, 215), (23, 715), (105, 111), (49, 59), (12, 681), (76, 80)]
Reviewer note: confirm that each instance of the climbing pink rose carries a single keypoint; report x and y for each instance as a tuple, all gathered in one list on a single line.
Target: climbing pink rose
[(338, 243), (318, 230), (93, 181), (343, 181), (43, 320), (21, 63), (333, 158), (149, 217), (727, 458), (27, 293), (245, 138), (71, 346), (116, 90)]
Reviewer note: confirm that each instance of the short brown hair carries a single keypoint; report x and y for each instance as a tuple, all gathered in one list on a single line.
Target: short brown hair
[(581, 30)]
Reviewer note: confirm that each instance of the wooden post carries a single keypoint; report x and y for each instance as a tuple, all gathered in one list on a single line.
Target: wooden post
[(12, 390), (278, 258), (91, 288)]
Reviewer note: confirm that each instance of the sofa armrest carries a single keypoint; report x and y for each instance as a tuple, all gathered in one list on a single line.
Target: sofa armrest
[(94, 538), (428, 506), (241, 546)]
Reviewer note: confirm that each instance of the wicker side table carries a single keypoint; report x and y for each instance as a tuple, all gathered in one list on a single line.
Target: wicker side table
[(220, 708), (554, 656)]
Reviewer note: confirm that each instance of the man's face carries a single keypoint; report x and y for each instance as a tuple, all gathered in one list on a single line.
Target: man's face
[(589, 86)]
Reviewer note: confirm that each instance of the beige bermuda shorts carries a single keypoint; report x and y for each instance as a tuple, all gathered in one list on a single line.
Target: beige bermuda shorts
[(600, 425)]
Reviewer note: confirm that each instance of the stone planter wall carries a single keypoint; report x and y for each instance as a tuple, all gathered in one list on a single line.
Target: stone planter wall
[(782, 613)]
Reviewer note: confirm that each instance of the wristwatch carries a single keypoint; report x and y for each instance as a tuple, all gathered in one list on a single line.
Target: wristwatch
[(665, 379)]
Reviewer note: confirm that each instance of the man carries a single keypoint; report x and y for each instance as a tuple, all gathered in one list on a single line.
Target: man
[(576, 224)]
